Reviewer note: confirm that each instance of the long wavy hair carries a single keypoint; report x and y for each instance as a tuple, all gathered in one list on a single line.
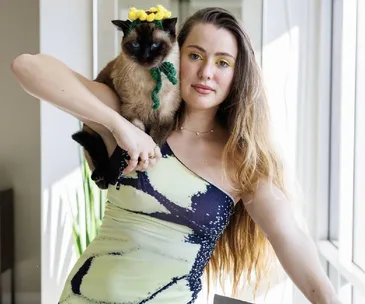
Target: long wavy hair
[(243, 251)]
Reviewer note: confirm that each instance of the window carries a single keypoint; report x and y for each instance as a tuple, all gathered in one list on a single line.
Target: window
[(334, 125), (343, 248), (359, 185)]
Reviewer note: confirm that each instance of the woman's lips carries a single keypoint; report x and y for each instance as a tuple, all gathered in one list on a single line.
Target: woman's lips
[(202, 89)]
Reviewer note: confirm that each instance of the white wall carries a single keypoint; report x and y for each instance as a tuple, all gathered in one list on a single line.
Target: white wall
[(37, 155), (20, 142), (290, 66), (66, 33), (290, 54)]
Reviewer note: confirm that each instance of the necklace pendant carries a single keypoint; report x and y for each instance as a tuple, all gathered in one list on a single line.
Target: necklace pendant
[(197, 133)]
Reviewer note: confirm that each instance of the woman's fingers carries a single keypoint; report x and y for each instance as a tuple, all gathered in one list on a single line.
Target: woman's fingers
[(148, 160), (143, 162), (144, 156), (157, 152), (151, 163), (132, 162)]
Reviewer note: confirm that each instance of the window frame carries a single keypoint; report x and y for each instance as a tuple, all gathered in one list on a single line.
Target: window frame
[(343, 127)]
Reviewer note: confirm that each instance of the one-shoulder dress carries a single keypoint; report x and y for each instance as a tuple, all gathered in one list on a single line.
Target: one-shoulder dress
[(159, 231)]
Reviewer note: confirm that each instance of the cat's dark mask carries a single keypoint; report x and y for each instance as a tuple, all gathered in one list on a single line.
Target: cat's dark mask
[(147, 43)]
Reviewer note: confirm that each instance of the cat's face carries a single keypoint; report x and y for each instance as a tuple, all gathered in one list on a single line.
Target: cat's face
[(147, 44)]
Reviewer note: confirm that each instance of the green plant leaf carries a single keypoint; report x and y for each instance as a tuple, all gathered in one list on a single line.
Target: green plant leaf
[(90, 209)]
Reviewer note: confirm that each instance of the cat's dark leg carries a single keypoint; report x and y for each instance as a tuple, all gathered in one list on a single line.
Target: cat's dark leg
[(87, 156), (96, 155)]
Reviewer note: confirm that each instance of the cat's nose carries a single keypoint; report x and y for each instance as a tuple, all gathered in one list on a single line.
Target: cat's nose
[(146, 54)]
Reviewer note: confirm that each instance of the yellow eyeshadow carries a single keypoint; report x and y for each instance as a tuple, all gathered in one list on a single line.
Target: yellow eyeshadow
[(230, 64), (225, 61), (195, 53)]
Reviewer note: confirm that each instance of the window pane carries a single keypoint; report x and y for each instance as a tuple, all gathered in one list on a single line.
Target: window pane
[(358, 296), (333, 276), (342, 287), (335, 127), (359, 198)]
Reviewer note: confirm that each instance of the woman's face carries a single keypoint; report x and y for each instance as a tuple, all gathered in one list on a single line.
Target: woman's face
[(207, 63)]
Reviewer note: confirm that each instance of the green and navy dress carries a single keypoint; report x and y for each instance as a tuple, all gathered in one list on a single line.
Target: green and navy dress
[(158, 233)]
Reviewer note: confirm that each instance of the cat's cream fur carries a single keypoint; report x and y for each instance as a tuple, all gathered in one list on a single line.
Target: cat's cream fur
[(134, 85)]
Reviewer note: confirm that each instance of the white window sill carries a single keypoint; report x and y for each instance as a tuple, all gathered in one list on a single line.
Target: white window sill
[(350, 271)]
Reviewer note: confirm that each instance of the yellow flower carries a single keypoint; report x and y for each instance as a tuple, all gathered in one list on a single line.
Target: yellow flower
[(155, 13), (159, 16), (142, 15), (151, 17), (160, 7), (132, 16)]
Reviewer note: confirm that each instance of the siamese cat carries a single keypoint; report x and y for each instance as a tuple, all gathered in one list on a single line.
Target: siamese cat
[(143, 47)]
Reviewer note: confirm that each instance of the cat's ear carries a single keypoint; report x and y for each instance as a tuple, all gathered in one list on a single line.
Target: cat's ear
[(122, 25), (169, 25)]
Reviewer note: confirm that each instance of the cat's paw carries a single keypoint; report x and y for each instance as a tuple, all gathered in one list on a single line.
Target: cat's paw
[(139, 124)]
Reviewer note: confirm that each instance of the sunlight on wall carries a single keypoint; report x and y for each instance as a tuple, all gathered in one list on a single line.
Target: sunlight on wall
[(282, 78), (281, 74), (59, 203)]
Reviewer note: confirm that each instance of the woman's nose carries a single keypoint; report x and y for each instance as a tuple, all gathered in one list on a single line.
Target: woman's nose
[(206, 71)]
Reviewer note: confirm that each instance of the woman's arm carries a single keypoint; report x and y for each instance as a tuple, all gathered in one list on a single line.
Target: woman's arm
[(49, 79), (295, 250), (93, 103)]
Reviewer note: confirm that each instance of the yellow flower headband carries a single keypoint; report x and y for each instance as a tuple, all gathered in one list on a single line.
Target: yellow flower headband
[(153, 14)]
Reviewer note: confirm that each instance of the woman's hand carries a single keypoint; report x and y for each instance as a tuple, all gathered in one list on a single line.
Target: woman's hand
[(143, 151)]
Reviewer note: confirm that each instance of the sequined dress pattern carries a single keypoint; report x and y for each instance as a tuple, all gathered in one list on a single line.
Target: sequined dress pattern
[(159, 230)]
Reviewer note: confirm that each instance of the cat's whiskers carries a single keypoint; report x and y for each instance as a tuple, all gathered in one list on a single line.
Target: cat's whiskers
[(162, 68)]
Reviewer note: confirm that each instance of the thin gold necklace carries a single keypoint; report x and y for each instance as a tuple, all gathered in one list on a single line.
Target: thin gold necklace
[(197, 133)]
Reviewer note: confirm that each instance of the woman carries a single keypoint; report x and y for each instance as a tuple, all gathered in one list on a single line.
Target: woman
[(211, 199)]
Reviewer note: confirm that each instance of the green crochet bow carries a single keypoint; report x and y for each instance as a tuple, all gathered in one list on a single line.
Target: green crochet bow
[(169, 70)]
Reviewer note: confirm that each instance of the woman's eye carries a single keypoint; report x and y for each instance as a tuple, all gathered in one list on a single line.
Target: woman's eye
[(156, 45), (135, 44), (223, 63), (194, 56)]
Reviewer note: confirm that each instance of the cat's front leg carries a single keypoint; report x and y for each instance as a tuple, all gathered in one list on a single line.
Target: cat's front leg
[(139, 124)]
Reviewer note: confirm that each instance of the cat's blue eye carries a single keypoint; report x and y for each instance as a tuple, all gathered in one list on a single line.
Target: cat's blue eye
[(135, 44), (156, 45)]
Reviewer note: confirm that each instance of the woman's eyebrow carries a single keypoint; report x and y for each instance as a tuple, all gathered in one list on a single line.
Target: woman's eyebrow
[(217, 54)]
